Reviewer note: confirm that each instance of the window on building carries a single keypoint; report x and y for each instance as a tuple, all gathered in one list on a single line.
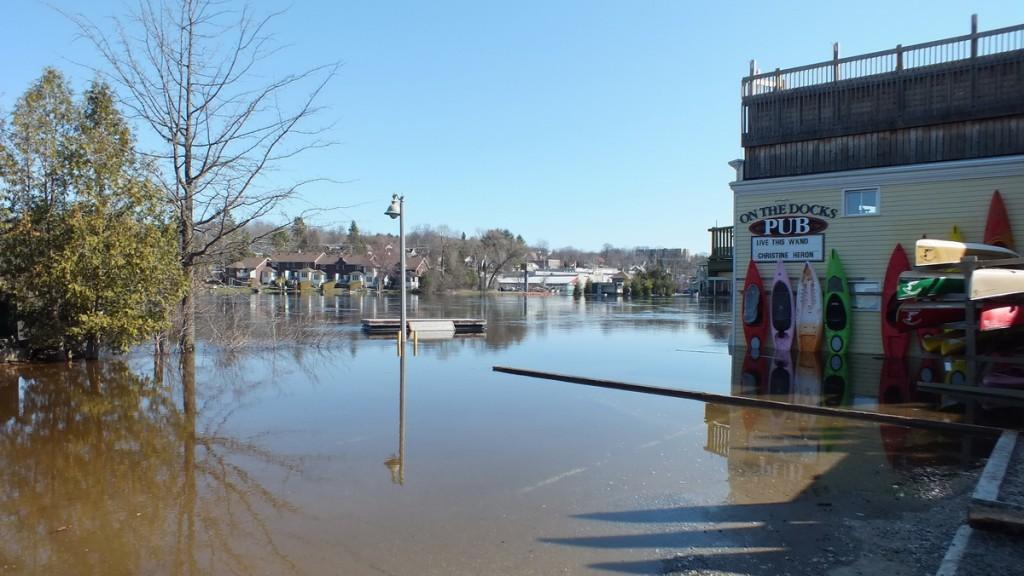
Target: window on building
[(860, 202), (866, 295)]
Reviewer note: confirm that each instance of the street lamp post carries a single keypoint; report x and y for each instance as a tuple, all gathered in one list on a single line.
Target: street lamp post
[(397, 210)]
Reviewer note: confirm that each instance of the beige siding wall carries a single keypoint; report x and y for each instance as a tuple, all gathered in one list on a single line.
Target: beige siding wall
[(907, 211)]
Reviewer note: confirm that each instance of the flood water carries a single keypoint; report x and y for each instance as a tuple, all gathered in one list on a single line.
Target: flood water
[(293, 443)]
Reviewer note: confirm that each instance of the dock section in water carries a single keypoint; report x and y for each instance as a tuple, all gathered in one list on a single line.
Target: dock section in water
[(392, 325)]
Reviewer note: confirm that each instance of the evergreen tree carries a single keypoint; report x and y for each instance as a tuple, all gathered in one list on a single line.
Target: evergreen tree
[(355, 239), (87, 252), (280, 241), (300, 234)]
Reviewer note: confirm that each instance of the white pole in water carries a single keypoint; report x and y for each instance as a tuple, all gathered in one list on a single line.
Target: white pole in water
[(397, 210)]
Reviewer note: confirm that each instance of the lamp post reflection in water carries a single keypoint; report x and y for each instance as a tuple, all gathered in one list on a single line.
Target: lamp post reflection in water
[(396, 464)]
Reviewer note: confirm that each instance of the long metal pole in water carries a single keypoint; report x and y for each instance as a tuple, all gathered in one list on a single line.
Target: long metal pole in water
[(758, 402)]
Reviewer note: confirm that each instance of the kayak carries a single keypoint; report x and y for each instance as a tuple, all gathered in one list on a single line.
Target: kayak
[(936, 343), (914, 284), (933, 252), (837, 306), (755, 310), (997, 225), (782, 309), (1000, 317), (915, 315), (808, 310), (996, 282), (894, 340)]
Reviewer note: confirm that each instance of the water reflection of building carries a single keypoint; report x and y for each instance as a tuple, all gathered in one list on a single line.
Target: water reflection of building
[(716, 417)]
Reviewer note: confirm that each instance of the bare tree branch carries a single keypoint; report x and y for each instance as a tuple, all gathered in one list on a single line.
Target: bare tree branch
[(186, 69)]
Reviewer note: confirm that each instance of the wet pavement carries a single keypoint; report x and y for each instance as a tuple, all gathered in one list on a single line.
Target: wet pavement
[(293, 444)]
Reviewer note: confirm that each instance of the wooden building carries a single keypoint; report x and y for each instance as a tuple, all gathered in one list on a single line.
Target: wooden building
[(714, 278), (289, 264), (252, 271), (878, 149)]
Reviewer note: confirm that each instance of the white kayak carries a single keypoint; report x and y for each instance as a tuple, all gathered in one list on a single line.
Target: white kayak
[(933, 252), (996, 282)]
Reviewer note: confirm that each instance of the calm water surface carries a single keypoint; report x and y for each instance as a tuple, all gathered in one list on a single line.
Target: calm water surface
[(292, 443)]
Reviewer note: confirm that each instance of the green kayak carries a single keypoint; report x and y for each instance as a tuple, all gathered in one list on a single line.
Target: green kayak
[(924, 285), (837, 306)]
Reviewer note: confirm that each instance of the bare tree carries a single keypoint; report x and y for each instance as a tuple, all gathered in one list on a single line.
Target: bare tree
[(500, 250), (187, 70)]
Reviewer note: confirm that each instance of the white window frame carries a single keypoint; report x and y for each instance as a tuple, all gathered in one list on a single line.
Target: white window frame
[(871, 292), (878, 201)]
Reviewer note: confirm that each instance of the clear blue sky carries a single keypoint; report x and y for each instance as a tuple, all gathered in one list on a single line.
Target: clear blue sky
[(572, 122)]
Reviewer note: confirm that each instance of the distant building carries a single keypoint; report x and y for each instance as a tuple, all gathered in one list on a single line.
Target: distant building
[(714, 277), (668, 259), (251, 271), (288, 264)]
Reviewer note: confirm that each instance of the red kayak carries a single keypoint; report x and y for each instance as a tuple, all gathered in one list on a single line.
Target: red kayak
[(997, 226), (755, 309), (894, 340), (916, 315), (1000, 318)]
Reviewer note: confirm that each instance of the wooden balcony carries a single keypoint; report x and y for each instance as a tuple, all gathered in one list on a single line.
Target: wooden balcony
[(950, 99), (720, 259)]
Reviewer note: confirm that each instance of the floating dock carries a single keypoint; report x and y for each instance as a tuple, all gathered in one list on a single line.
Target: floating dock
[(392, 325)]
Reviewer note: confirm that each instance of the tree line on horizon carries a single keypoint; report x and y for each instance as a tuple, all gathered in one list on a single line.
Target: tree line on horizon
[(461, 261)]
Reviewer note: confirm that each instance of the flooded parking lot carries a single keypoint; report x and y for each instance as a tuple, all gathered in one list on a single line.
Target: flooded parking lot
[(292, 443)]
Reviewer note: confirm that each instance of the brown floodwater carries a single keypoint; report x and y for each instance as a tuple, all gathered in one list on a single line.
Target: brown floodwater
[(292, 443)]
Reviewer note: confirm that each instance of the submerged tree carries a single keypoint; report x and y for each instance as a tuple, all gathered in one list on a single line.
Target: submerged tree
[(87, 251), (187, 69)]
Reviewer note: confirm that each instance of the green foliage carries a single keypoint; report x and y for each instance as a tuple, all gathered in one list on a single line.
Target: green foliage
[(356, 242), (654, 282), (430, 282), (280, 240), (86, 252), (300, 234)]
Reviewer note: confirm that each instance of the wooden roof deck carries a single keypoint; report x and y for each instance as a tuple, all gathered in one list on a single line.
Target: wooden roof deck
[(955, 98)]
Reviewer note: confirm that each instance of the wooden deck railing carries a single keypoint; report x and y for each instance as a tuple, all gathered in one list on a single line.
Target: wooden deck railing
[(889, 61), (721, 242)]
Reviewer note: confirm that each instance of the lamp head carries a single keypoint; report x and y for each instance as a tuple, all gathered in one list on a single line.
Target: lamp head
[(395, 209)]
